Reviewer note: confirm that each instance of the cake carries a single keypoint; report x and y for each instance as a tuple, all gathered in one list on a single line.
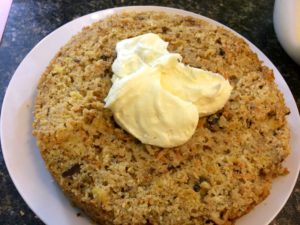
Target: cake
[(220, 174)]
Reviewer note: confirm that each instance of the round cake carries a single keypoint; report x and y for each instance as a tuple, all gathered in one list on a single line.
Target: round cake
[(220, 174)]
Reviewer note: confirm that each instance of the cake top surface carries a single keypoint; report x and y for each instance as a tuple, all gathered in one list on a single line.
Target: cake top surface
[(223, 171)]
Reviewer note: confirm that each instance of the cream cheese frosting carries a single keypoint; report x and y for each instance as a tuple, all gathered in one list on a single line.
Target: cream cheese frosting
[(157, 98)]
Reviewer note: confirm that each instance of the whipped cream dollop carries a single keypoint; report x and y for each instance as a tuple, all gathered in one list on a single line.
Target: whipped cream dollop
[(157, 98)]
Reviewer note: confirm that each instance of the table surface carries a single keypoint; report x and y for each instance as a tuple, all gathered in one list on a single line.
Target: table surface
[(31, 20)]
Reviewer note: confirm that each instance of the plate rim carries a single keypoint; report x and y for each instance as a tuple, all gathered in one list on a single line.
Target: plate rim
[(107, 12)]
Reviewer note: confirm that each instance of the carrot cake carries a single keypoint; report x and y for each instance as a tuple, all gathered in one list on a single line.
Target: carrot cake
[(223, 171)]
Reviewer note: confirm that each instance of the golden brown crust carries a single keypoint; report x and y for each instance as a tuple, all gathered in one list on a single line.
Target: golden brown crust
[(222, 172)]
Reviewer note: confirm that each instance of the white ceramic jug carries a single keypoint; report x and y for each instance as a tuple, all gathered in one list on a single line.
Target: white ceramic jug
[(287, 26)]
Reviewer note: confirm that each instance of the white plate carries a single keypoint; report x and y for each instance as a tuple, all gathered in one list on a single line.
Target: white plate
[(26, 166)]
